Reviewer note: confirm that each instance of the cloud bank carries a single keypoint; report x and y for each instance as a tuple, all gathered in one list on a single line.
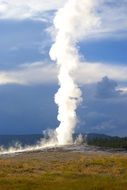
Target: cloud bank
[(40, 73)]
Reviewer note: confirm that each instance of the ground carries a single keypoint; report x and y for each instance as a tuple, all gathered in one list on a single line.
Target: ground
[(64, 170)]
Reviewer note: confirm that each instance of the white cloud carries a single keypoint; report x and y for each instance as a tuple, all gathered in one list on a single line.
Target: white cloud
[(93, 72), (16, 9), (38, 73), (28, 74), (123, 90), (113, 16), (112, 13)]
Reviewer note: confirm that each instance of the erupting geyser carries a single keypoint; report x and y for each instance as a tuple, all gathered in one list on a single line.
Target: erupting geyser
[(72, 22)]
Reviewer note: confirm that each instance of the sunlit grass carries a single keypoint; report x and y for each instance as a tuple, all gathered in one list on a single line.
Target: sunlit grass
[(64, 171)]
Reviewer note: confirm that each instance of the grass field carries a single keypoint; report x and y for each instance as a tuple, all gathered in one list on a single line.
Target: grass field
[(64, 171)]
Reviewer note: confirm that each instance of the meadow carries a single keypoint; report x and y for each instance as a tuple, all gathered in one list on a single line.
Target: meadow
[(60, 170)]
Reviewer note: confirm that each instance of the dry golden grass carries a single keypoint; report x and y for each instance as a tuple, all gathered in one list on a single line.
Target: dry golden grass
[(63, 171)]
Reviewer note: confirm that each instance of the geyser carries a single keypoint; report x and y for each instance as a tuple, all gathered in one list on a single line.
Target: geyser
[(71, 23)]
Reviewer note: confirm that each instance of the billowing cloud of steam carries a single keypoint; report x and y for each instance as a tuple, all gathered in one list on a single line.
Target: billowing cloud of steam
[(48, 141), (72, 23)]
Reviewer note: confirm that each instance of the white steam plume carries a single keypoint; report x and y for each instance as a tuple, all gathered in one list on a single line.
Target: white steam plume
[(72, 23)]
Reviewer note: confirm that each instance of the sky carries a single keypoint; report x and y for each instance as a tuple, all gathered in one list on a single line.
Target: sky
[(28, 78)]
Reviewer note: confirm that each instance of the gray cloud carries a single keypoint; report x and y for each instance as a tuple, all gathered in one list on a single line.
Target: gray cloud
[(107, 88), (105, 113)]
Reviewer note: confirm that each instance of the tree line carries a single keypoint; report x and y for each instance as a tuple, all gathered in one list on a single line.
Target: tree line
[(108, 142)]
